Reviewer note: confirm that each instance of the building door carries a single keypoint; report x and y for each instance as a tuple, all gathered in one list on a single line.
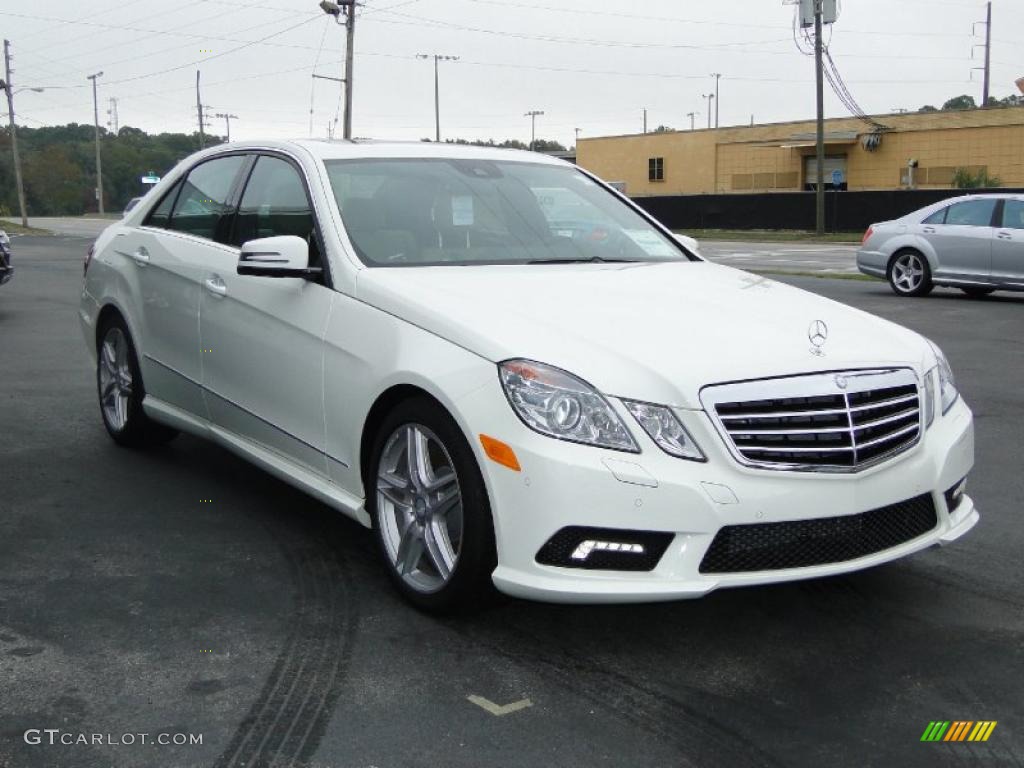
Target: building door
[(832, 163)]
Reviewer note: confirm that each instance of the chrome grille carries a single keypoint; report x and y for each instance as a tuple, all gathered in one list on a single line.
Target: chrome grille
[(835, 422)]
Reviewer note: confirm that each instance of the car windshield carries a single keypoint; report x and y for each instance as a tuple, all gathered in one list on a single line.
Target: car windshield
[(426, 212)]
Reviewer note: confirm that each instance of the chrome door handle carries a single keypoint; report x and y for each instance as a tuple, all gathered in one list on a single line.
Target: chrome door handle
[(1004, 236), (141, 256), (216, 286), (929, 230)]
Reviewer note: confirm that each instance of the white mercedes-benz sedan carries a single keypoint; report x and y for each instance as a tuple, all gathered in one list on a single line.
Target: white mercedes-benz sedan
[(517, 377)]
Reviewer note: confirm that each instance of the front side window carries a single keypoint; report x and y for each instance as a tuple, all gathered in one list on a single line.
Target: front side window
[(418, 212), (1013, 214), (202, 205), (656, 169), (274, 203), (971, 213)]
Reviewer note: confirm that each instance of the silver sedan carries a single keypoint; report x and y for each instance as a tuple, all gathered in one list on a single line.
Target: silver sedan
[(974, 243)]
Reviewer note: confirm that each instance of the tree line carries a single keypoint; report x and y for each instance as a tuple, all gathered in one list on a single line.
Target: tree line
[(58, 166)]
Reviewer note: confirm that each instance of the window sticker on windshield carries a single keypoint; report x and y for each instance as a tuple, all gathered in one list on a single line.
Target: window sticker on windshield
[(462, 210), (652, 243)]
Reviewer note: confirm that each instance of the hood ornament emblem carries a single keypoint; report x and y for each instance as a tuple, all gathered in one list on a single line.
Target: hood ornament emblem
[(817, 333)]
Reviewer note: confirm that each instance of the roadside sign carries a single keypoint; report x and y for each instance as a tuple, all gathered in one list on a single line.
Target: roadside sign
[(150, 179), (837, 178)]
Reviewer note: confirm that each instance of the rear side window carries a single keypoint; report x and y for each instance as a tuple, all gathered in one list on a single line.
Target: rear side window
[(160, 215), (972, 213), (1013, 214), (274, 203), (203, 202), (939, 217)]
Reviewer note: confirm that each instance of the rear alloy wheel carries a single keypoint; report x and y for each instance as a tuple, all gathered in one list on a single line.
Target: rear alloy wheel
[(909, 274), (119, 384), (976, 292), (430, 510)]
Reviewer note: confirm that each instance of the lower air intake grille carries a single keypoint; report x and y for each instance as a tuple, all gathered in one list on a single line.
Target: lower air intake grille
[(803, 543), (607, 549)]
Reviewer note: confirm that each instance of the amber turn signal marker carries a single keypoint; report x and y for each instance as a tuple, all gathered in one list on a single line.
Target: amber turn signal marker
[(500, 452)]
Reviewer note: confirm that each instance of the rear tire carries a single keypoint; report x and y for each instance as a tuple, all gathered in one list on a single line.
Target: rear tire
[(909, 274), (430, 510), (120, 390), (977, 293)]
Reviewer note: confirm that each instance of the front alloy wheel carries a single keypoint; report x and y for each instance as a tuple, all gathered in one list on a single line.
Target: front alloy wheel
[(909, 274), (419, 506), (430, 509)]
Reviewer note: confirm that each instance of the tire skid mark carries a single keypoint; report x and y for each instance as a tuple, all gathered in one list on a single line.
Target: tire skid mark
[(286, 722), (653, 711)]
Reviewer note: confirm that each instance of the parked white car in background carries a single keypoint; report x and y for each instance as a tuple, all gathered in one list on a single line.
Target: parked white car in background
[(974, 243), (568, 412)]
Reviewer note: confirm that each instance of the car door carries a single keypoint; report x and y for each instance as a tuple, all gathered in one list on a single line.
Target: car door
[(262, 337), (1008, 245), (166, 253), (963, 243)]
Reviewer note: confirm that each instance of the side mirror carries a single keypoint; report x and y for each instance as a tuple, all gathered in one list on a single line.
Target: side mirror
[(282, 256), (689, 243)]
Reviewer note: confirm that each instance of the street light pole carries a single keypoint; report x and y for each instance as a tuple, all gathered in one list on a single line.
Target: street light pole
[(819, 202), (532, 114), (335, 9), (14, 132), (437, 57), (718, 77), (692, 116), (96, 125)]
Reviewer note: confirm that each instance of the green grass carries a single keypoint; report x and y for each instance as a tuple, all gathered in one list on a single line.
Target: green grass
[(13, 228), (773, 236)]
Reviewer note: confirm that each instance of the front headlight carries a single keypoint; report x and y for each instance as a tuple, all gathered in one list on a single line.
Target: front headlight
[(948, 392), (559, 405), (665, 429)]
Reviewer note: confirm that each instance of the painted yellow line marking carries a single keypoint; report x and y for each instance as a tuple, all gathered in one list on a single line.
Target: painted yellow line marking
[(499, 711)]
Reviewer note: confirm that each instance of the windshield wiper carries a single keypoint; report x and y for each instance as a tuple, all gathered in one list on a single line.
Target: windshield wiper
[(588, 260)]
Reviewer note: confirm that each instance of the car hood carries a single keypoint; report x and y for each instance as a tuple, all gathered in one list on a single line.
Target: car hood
[(653, 332)]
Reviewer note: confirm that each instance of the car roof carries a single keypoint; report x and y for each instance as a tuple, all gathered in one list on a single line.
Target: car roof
[(324, 149)]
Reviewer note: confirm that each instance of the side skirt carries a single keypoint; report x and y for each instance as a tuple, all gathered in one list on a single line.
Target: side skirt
[(267, 460)]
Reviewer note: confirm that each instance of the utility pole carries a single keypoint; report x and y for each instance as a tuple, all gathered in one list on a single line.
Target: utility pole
[(199, 112), (532, 114), (112, 116), (96, 125), (227, 122), (14, 132), (718, 77), (577, 130), (710, 97), (645, 119), (437, 57), (819, 189), (692, 116), (988, 55), (335, 8)]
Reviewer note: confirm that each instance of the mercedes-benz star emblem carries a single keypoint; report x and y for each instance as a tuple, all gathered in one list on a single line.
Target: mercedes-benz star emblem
[(818, 334)]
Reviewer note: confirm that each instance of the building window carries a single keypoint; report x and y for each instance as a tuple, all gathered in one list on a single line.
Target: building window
[(656, 169)]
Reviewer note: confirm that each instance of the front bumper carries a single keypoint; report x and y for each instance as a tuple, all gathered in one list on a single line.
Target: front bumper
[(874, 263), (562, 484)]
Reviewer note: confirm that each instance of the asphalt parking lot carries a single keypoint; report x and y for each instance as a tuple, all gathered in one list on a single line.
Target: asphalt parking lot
[(181, 591)]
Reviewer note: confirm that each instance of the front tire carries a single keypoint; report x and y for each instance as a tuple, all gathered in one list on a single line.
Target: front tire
[(120, 390), (431, 515), (909, 274)]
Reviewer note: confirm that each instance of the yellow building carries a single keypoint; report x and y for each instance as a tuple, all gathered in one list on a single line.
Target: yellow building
[(781, 156)]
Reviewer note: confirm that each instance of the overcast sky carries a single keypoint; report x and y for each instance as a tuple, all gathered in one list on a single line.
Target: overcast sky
[(589, 64)]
